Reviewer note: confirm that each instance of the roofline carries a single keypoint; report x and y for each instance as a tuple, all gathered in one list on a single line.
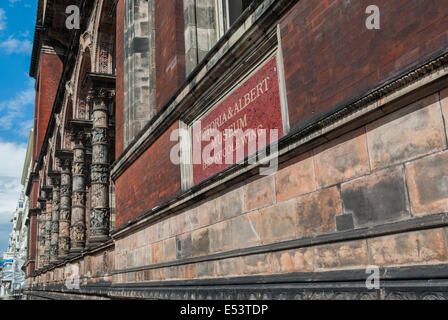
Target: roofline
[(37, 39)]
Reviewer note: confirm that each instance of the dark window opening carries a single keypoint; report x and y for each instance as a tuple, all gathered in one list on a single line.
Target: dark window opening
[(233, 10)]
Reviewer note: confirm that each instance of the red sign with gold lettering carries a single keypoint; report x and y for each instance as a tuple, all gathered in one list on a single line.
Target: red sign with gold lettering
[(244, 122)]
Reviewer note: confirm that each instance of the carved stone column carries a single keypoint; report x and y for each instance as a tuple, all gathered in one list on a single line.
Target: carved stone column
[(54, 244), (100, 211), (41, 231), (48, 214), (77, 225), (101, 98), (65, 162)]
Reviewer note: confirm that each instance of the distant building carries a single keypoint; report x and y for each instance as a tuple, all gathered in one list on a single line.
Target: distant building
[(16, 255)]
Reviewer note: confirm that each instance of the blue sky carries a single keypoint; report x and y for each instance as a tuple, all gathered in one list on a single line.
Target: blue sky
[(17, 20)]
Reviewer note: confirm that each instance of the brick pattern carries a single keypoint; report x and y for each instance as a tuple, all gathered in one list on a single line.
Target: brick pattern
[(170, 44), (151, 180), (325, 68), (50, 70)]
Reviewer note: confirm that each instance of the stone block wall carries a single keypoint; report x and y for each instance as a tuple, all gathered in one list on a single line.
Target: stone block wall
[(391, 171)]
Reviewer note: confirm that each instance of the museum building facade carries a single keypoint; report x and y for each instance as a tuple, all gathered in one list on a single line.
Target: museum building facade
[(236, 149)]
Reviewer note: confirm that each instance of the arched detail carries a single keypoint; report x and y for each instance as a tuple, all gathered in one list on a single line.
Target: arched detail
[(81, 109), (104, 39), (66, 142)]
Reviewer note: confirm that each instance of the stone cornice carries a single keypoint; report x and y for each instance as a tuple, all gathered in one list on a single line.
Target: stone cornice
[(33, 177)]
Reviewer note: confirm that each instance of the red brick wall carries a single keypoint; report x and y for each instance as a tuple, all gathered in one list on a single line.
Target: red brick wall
[(151, 180), (170, 48), (331, 58), (119, 97), (50, 70)]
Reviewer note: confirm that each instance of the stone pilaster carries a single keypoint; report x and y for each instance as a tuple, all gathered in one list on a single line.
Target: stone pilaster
[(48, 214), (78, 225), (40, 244), (65, 207), (100, 99), (54, 244)]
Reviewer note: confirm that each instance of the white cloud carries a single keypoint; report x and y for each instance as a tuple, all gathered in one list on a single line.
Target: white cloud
[(14, 45), (16, 108), (2, 19), (11, 167), (12, 2)]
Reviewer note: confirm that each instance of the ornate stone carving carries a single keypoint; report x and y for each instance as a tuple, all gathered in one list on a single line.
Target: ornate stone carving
[(65, 191), (78, 199), (55, 226), (99, 218), (79, 169), (64, 215), (99, 174), (77, 233), (99, 135)]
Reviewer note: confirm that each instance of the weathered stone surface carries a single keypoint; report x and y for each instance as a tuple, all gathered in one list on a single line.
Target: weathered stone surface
[(209, 213), (169, 249), (444, 104), (151, 234), (428, 246), (406, 134), (296, 178), (256, 264), (205, 269), (427, 180), (316, 212), (180, 224), (377, 198), (157, 252), (298, 260), (192, 217), (188, 271), (246, 230), (229, 267), (200, 242), (163, 229), (259, 193), (344, 222), (221, 236), (231, 204), (279, 222), (183, 246), (342, 159), (341, 255)]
